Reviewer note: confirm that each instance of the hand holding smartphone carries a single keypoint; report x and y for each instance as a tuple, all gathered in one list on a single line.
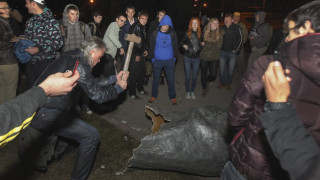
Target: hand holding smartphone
[(75, 67)]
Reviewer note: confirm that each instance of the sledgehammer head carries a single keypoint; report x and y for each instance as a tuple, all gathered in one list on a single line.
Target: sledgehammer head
[(132, 38)]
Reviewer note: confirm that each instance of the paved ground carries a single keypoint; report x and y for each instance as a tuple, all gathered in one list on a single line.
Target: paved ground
[(130, 117)]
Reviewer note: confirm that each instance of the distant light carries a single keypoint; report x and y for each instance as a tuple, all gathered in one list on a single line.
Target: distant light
[(195, 0), (91, 1), (204, 4), (194, 5)]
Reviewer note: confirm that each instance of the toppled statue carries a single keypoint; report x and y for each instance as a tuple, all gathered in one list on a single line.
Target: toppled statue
[(192, 142)]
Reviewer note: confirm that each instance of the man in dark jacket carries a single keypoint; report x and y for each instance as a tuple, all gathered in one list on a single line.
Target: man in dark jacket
[(163, 53), (54, 117), (249, 151), (95, 25), (231, 46), (9, 69), (137, 66)]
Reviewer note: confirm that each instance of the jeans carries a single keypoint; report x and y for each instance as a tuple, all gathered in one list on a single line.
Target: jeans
[(213, 71), (227, 63), (191, 67), (168, 66), (137, 75), (75, 129), (229, 172)]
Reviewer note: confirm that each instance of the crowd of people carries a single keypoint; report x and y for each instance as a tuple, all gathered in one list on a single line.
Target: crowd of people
[(274, 102)]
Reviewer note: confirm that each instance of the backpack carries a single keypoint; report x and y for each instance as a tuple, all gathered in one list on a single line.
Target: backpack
[(93, 28)]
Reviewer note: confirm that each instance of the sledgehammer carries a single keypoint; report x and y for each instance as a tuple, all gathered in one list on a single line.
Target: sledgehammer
[(132, 38)]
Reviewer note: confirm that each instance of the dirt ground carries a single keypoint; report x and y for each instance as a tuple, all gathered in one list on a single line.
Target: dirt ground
[(121, 130)]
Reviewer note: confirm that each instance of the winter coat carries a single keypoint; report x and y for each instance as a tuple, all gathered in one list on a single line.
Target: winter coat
[(140, 31), (211, 50), (292, 144), (74, 34), (98, 89), (43, 30), (111, 39), (193, 43), (6, 47), (249, 151), (261, 32)]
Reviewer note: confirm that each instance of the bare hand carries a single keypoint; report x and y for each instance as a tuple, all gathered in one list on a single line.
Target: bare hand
[(60, 83), (145, 53), (122, 78), (277, 86), (185, 47), (203, 43), (16, 39), (138, 58), (121, 51), (251, 37), (32, 50)]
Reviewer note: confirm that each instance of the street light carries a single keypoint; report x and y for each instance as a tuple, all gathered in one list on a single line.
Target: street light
[(92, 2)]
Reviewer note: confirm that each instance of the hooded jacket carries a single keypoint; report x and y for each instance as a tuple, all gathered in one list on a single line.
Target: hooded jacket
[(74, 35), (6, 47), (249, 151), (261, 31), (43, 30), (163, 45)]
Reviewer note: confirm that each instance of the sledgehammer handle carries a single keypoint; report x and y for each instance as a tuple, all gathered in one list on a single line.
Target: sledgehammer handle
[(128, 57)]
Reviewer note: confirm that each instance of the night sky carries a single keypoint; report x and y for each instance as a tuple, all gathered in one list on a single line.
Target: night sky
[(179, 10)]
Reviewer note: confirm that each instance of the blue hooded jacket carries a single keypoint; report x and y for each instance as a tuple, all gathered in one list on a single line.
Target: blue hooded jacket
[(163, 48)]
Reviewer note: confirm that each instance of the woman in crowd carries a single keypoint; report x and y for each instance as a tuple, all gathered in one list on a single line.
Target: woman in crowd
[(210, 54), (191, 43)]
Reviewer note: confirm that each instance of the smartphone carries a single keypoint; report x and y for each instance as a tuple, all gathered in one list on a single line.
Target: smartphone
[(75, 67), (277, 57)]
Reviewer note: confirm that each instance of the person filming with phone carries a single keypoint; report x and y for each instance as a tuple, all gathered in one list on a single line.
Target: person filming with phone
[(249, 151)]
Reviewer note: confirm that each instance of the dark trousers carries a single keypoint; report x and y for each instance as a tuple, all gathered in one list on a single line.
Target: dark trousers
[(213, 71), (73, 128), (168, 66), (137, 75), (35, 69)]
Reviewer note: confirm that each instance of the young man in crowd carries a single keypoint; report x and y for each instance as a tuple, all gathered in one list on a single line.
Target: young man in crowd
[(137, 66)]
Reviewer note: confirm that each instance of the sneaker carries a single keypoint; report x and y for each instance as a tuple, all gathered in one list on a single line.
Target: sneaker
[(143, 92), (134, 97), (220, 86), (173, 101), (151, 100), (86, 109), (188, 95), (193, 96)]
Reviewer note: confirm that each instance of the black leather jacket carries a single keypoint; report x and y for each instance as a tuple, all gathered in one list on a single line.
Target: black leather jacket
[(98, 89), (140, 31), (6, 47)]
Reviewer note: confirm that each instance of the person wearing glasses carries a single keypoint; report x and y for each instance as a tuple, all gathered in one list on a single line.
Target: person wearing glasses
[(9, 69)]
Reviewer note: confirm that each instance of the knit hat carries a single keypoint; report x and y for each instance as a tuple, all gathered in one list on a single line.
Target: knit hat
[(236, 14)]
